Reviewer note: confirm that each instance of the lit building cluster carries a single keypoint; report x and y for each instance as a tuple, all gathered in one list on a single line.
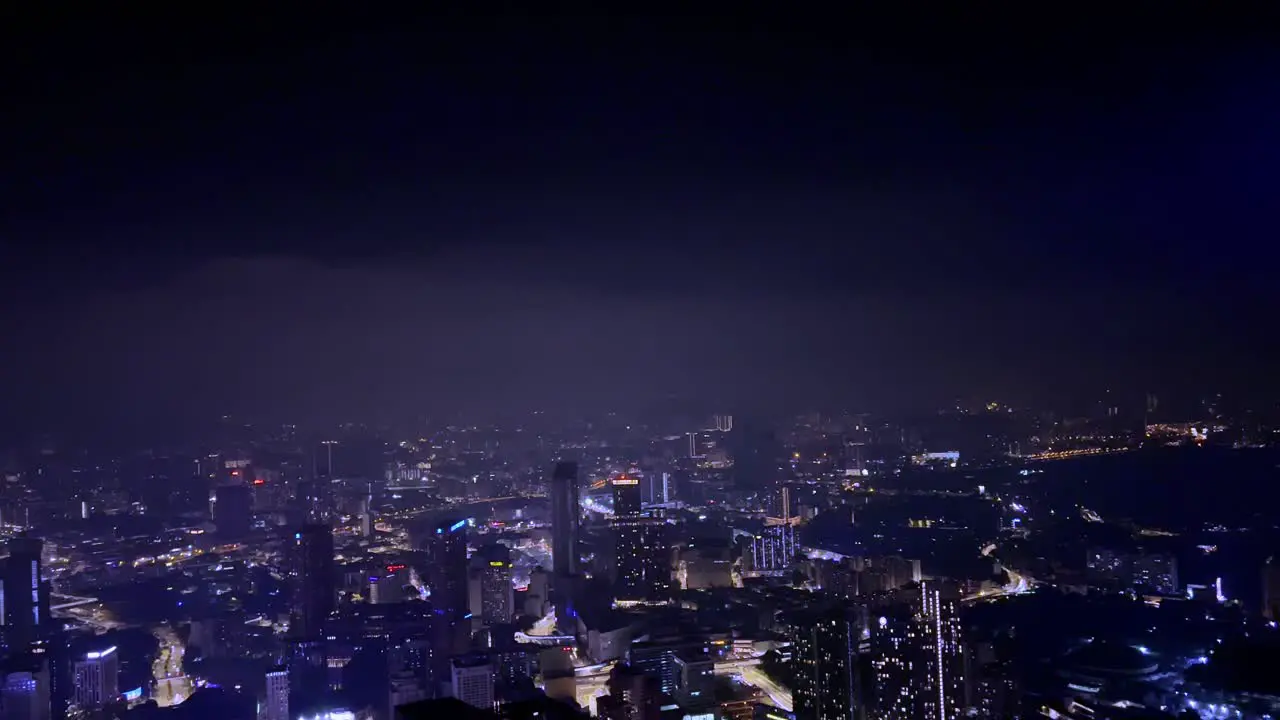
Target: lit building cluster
[(1156, 572)]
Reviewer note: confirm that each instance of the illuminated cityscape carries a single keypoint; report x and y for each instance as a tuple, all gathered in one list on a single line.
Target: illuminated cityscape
[(527, 363)]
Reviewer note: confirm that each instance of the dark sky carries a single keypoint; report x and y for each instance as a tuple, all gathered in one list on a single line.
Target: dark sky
[(353, 216)]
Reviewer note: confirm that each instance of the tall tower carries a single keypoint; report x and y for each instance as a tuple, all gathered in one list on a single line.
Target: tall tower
[(233, 510), (98, 678), (564, 518), (24, 597), (824, 650), (943, 653), (918, 660), (492, 599), (642, 562), (315, 593), (276, 704), (447, 577)]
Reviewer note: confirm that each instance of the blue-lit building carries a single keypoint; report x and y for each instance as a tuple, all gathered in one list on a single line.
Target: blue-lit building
[(447, 578)]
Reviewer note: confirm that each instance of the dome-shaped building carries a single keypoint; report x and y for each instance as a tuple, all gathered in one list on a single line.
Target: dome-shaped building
[(1098, 664)]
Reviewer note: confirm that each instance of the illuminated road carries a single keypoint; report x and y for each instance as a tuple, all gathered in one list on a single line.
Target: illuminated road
[(66, 602), (172, 686), (778, 695), (1017, 585)]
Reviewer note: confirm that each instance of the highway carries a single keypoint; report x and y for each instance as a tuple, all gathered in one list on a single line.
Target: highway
[(778, 695), (172, 686)]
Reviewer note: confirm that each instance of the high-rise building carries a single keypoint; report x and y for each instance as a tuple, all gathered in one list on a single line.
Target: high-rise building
[(491, 594), (24, 599), (824, 648), (366, 512), (447, 578), (315, 593), (233, 510), (308, 676), (643, 560), (918, 660), (473, 681), (53, 653), (26, 690), (275, 706), (1271, 589), (633, 695), (405, 688), (773, 549), (387, 583), (655, 487), (565, 516), (97, 679), (538, 596)]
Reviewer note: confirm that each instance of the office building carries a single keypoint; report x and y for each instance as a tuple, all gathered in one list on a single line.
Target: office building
[(308, 677), (695, 679), (233, 511), (447, 578), (314, 580), (24, 597), (492, 599), (565, 516), (824, 649), (275, 706), (642, 559), (537, 598), (97, 679), (405, 688), (633, 695), (473, 681), (773, 550), (918, 660), (655, 488), (26, 689), (387, 584)]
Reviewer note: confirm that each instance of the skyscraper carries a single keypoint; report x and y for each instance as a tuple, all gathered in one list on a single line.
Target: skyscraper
[(565, 516), (233, 511), (633, 695), (275, 706), (643, 562), (97, 679), (23, 597), (564, 519), (388, 584), (447, 577), (315, 593), (918, 660), (943, 655), (472, 681), (491, 594), (773, 549), (824, 658), (26, 690)]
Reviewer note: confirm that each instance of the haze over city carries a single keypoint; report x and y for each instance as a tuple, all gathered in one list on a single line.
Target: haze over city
[(885, 362)]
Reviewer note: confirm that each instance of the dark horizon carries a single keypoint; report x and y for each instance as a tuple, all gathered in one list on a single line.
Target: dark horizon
[(354, 217)]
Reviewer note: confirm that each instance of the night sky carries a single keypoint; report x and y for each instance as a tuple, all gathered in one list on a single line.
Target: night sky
[(333, 217)]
